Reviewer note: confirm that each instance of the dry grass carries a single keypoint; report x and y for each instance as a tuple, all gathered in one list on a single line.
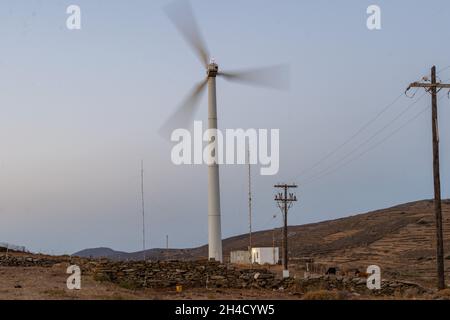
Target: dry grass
[(324, 295), (443, 294), (38, 283)]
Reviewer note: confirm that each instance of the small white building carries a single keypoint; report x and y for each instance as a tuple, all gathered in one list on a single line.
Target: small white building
[(240, 257), (269, 255)]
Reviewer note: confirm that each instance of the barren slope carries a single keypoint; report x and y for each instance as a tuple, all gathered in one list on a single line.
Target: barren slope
[(400, 239)]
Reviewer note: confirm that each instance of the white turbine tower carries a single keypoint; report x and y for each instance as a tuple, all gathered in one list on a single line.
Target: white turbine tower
[(180, 13)]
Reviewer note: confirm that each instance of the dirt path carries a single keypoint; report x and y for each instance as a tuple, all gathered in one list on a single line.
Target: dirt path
[(40, 283)]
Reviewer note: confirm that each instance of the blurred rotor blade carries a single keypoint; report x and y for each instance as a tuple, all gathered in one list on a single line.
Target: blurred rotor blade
[(276, 77), (183, 115), (181, 15)]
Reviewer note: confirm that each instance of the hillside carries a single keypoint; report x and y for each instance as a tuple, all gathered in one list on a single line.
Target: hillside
[(399, 239), (11, 247), (98, 253), (153, 254)]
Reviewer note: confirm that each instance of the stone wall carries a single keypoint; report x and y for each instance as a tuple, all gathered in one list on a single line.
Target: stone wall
[(357, 285), (204, 274), (192, 274), (8, 260), (33, 260)]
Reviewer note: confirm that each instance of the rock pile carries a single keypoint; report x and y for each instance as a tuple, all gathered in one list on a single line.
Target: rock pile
[(208, 274), (191, 274), (205, 274), (25, 261), (357, 285)]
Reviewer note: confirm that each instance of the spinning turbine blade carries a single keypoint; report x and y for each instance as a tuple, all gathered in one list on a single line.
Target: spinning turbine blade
[(183, 115), (181, 15), (276, 77)]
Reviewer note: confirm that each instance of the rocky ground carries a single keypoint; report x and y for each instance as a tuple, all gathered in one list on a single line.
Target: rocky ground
[(400, 240), (25, 276)]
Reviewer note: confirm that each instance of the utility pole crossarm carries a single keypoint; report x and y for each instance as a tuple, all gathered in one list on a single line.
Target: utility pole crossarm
[(429, 85), (286, 185)]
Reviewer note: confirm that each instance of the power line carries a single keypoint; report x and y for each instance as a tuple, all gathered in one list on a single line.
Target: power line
[(339, 147), (370, 138), (316, 178), (362, 128), (364, 152), (443, 69)]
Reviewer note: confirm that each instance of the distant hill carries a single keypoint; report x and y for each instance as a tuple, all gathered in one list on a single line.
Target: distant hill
[(98, 253), (4, 246), (400, 239), (153, 254)]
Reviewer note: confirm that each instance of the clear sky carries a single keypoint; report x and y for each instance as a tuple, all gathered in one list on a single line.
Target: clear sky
[(80, 109)]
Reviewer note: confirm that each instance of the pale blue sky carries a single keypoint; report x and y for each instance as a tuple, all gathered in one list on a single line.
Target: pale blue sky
[(80, 109)]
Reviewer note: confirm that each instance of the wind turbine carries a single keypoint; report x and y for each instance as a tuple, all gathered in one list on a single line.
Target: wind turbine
[(181, 15)]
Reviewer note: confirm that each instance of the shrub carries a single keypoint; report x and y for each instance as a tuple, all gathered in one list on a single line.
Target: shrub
[(443, 294), (129, 284), (324, 295)]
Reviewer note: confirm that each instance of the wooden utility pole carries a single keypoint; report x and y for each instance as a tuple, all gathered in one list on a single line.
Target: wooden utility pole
[(273, 245), (167, 247), (250, 245), (143, 209), (285, 201), (433, 87), (273, 241)]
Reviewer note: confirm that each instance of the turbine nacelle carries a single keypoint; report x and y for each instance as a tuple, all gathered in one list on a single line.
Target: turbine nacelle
[(212, 70)]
